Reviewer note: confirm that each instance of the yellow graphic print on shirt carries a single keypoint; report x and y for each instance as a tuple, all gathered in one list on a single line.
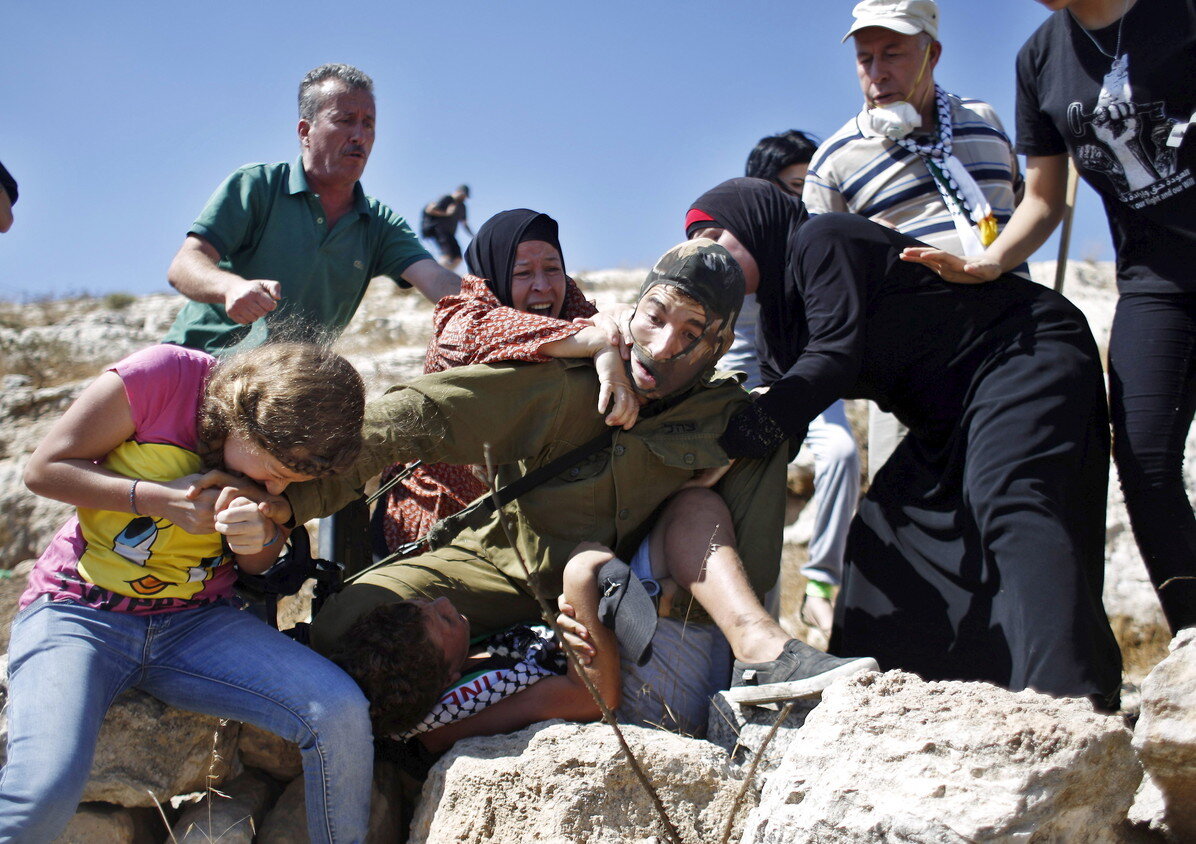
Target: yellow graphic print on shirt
[(140, 556)]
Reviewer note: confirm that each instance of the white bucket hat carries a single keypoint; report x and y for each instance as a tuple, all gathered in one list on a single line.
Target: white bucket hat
[(909, 17)]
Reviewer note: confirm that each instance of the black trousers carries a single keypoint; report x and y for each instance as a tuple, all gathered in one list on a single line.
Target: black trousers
[(1152, 394)]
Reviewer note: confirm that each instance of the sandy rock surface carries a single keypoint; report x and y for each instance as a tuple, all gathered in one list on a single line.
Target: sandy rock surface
[(567, 782), (743, 731), (888, 757), (1165, 736)]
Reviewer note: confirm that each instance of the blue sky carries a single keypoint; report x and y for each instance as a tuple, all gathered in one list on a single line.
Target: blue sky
[(119, 119)]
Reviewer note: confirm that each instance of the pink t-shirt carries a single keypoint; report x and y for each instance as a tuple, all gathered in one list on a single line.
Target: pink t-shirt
[(139, 564)]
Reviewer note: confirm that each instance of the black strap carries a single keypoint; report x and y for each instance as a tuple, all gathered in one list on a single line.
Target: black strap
[(476, 514), (402, 475)]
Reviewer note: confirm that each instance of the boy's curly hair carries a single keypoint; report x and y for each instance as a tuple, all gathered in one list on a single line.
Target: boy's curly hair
[(300, 402), (401, 669)]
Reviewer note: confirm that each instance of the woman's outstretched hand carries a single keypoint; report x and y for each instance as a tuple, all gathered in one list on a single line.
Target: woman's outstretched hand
[(615, 323), (952, 267), (615, 393)]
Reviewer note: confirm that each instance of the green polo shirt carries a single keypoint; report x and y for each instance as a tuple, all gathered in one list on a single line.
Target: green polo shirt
[(267, 223)]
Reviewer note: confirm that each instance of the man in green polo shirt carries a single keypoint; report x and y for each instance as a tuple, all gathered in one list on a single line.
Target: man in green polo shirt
[(296, 245)]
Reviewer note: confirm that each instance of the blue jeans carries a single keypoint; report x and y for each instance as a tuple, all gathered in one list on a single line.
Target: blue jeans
[(68, 662), (836, 492)]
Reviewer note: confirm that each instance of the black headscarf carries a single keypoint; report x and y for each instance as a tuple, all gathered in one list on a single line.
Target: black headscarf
[(760, 215), (765, 219), (491, 254)]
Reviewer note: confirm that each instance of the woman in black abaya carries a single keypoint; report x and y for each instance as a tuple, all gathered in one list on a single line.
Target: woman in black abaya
[(978, 552)]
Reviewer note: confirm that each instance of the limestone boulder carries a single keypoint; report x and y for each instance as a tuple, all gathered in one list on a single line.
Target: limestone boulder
[(148, 750), (267, 752), (96, 822), (569, 782), (286, 823), (1146, 817), (889, 757), (1165, 736), (743, 731), (230, 815), (147, 747)]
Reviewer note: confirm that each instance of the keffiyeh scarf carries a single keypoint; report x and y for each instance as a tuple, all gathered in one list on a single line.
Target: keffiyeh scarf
[(962, 196)]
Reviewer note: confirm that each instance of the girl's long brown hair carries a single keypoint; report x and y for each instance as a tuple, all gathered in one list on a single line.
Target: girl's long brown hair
[(300, 402)]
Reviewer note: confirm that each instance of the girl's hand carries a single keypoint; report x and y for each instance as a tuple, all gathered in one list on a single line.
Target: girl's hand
[(952, 267), (245, 526), (228, 486), (574, 632), (614, 389), (176, 501)]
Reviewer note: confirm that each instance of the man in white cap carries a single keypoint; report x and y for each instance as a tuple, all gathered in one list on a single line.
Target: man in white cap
[(930, 164)]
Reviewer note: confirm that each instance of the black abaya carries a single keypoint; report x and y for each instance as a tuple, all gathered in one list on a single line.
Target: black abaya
[(978, 552)]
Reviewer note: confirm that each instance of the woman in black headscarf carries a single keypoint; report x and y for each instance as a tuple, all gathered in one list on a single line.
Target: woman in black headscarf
[(516, 304), (978, 552)]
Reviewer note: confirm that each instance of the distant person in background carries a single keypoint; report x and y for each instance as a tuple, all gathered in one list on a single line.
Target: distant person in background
[(1109, 82), (8, 198), (440, 221), (930, 164), (784, 159), (298, 241)]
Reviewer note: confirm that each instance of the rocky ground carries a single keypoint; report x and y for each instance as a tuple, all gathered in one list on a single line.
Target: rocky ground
[(885, 757)]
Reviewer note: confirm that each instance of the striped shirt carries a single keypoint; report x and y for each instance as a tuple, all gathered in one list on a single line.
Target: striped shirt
[(861, 171)]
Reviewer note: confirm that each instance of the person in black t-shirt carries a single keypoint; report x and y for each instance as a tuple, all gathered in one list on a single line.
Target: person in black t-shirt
[(439, 223), (1109, 82), (8, 198)]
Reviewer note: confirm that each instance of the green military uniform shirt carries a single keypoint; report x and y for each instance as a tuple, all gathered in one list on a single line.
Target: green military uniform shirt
[(267, 223), (531, 414)]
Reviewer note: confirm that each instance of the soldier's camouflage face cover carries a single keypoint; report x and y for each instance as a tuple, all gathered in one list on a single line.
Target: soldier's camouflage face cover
[(706, 273)]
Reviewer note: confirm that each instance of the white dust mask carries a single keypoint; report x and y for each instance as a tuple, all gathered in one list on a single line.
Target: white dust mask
[(895, 121)]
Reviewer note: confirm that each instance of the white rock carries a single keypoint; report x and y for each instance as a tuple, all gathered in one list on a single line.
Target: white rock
[(1165, 736), (570, 782), (742, 730), (890, 757)]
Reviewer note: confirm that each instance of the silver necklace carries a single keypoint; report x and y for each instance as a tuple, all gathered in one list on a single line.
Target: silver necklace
[(1125, 6)]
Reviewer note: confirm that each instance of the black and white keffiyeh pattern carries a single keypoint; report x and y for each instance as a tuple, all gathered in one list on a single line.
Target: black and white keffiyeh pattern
[(962, 196), (519, 656)]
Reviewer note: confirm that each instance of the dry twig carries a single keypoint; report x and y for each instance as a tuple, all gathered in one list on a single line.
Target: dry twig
[(608, 716), (751, 774)]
